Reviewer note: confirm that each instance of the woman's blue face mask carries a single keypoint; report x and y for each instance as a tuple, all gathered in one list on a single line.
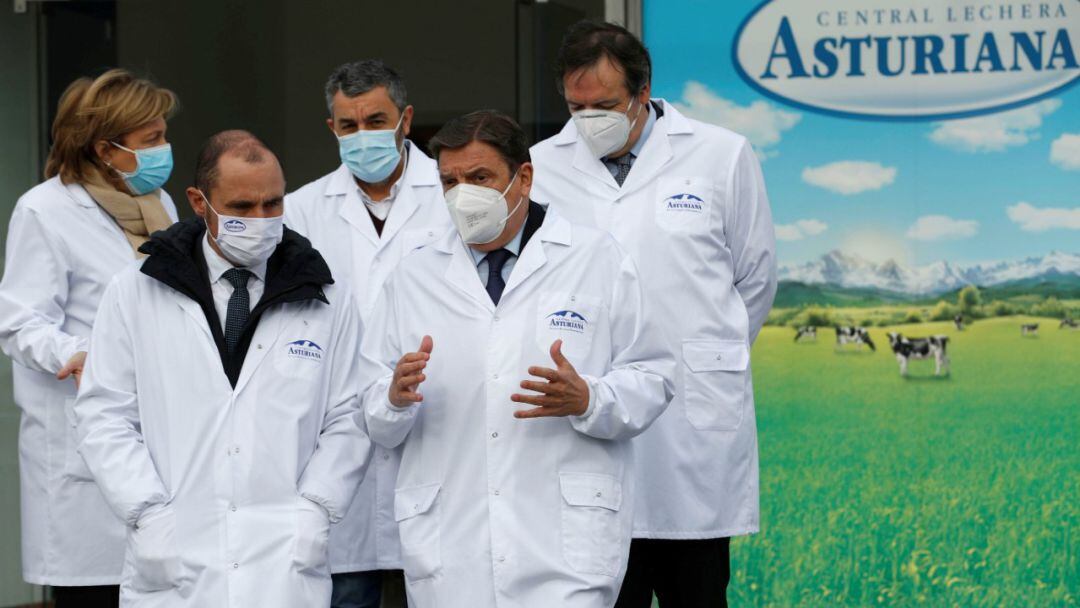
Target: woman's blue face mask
[(152, 168), (371, 156)]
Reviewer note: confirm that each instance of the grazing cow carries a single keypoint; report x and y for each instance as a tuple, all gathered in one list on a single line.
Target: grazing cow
[(907, 349), (1029, 329), (806, 331), (846, 334), (1068, 322), (958, 320)]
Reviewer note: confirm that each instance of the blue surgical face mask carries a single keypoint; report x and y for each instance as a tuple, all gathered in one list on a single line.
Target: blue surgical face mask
[(371, 155), (152, 168)]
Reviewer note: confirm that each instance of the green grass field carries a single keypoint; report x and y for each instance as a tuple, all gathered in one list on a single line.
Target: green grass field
[(883, 491)]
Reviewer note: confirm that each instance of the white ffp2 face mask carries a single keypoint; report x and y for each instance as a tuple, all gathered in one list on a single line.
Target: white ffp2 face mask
[(246, 241), (478, 212), (605, 131)]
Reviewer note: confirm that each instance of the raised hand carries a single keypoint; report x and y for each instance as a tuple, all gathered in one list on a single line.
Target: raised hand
[(564, 393), (409, 374)]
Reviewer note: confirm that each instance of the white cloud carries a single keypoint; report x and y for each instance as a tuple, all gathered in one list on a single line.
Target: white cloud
[(760, 122), (1039, 219), (1065, 151), (994, 132), (941, 227), (800, 229), (850, 176)]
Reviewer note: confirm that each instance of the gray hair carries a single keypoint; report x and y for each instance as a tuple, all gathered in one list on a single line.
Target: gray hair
[(359, 77)]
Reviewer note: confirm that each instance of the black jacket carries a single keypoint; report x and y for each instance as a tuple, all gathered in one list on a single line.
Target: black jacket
[(294, 273)]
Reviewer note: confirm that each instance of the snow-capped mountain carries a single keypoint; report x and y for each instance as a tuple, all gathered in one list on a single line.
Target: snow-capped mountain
[(848, 270)]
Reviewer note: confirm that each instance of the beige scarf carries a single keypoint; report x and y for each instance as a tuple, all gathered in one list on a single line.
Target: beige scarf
[(138, 216)]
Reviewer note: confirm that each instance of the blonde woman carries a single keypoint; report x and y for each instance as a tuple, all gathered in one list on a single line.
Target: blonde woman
[(68, 236)]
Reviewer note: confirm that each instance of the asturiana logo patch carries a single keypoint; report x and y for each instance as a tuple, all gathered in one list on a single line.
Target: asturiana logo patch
[(909, 59), (685, 202), (567, 320), (304, 349), (235, 226)]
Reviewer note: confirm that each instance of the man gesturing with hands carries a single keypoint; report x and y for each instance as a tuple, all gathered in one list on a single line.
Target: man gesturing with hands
[(516, 432), (564, 394)]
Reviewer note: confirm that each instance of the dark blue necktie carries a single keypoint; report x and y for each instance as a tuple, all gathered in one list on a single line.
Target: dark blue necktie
[(622, 167), (239, 306), (495, 283)]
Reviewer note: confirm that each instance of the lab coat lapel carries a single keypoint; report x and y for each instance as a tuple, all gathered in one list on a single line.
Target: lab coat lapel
[(265, 339), (655, 156), (593, 167), (356, 214), (461, 271), (195, 312), (554, 231)]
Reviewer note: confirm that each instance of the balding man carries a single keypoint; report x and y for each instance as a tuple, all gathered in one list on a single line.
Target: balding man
[(218, 411)]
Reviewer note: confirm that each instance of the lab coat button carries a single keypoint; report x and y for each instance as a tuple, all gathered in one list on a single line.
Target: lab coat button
[(235, 565), (232, 508), (495, 435), (495, 376), (496, 492), (386, 456), (259, 346)]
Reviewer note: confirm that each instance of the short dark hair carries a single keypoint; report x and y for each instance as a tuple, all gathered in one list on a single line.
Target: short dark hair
[(487, 126), (359, 77), (586, 42), (234, 141)]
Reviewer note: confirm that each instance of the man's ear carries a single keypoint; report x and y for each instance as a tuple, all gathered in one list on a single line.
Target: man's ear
[(330, 125), (525, 178), (406, 121), (196, 200)]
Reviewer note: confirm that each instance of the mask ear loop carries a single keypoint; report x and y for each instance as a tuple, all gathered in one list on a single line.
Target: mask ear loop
[(400, 121), (640, 107), (124, 174), (516, 205)]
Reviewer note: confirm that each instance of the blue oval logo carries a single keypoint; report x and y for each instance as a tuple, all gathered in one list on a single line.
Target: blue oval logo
[(235, 226), (917, 60)]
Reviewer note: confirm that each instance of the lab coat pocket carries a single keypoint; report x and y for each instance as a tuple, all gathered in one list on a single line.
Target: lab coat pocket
[(566, 316), (715, 375), (417, 513), (682, 204), (591, 538), (312, 537), (154, 553), (75, 468)]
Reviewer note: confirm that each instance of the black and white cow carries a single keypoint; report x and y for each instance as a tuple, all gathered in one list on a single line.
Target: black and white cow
[(958, 320), (846, 334), (806, 331), (1029, 329), (907, 349), (1070, 323)]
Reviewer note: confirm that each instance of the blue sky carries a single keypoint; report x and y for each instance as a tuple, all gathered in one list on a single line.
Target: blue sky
[(953, 176)]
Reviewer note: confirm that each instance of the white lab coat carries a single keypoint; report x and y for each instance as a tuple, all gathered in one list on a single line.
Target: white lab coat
[(330, 212), (496, 511), (239, 470), (62, 250), (694, 214)]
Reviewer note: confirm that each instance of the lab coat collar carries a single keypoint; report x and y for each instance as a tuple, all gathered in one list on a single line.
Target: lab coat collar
[(461, 271), (420, 172), (77, 193), (294, 273), (655, 153)]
